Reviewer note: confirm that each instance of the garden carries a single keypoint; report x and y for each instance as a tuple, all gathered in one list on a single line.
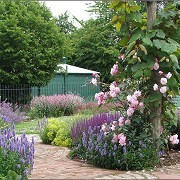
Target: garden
[(131, 124)]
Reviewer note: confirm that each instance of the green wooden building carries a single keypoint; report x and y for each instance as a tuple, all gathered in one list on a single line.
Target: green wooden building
[(69, 79)]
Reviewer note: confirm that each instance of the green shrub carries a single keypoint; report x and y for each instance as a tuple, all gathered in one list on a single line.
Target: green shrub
[(118, 144)]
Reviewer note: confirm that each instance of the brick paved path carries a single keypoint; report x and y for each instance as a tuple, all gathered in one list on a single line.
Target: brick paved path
[(51, 162)]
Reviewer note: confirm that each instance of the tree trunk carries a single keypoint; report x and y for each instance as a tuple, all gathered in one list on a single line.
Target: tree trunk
[(156, 111)]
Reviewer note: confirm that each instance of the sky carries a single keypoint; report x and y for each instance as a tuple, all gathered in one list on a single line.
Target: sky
[(76, 8)]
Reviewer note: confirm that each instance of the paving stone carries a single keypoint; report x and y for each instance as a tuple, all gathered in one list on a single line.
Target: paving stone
[(51, 162)]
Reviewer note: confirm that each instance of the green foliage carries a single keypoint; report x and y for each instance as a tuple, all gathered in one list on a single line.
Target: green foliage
[(30, 39), (95, 45), (11, 175), (57, 130), (11, 165), (97, 148)]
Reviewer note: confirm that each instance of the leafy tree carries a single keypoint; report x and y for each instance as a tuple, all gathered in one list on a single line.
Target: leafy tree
[(30, 45), (65, 24), (151, 48), (95, 46)]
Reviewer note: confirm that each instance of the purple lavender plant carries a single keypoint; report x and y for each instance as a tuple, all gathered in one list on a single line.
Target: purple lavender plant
[(95, 122), (10, 114), (10, 142)]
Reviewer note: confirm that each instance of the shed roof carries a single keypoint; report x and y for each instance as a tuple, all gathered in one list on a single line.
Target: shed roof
[(74, 69)]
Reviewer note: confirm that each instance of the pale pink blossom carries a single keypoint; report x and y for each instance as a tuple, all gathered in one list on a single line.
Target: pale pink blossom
[(168, 75), (160, 72), (156, 66), (115, 69), (114, 90), (100, 97), (137, 93), (163, 81), (129, 98), (122, 139), (134, 102), (115, 138), (113, 127), (130, 111), (104, 127), (128, 122), (94, 81), (95, 74), (174, 139), (141, 104), (155, 87), (163, 89), (115, 123), (121, 121)]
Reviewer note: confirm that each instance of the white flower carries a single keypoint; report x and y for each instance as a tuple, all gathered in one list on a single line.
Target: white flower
[(168, 75), (163, 89), (155, 87), (163, 81)]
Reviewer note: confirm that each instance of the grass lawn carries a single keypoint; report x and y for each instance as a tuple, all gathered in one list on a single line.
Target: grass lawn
[(30, 127)]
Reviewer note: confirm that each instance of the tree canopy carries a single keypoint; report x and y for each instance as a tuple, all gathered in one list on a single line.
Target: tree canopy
[(30, 43)]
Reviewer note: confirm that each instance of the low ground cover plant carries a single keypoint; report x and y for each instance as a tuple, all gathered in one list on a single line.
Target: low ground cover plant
[(56, 131), (16, 153), (55, 105)]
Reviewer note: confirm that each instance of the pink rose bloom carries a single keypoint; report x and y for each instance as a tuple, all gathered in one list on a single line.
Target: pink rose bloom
[(163, 89), (130, 111), (104, 127), (155, 87), (129, 98), (115, 70), (115, 123), (122, 139), (100, 97), (94, 81), (128, 122), (168, 75), (134, 101), (174, 139), (137, 93), (95, 74), (160, 72), (114, 90), (141, 104), (121, 121), (115, 138), (113, 127), (163, 81), (156, 66)]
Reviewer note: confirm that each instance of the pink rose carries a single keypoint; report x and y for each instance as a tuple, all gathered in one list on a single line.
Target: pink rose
[(163, 81), (121, 56), (95, 74), (155, 87), (94, 81), (163, 89), (156, 66), (130, 111), (128, 122), (100, 97), (137, 93), (122, 139), (160, 72), (141, 104), (168, 75), (115, 70), (121, 121), (115, 138), (174, 139)]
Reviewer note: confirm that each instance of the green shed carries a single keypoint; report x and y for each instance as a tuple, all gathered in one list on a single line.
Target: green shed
[(69, 79)]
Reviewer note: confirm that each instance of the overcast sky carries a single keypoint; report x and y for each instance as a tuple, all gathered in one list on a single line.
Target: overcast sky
[(76, 8)]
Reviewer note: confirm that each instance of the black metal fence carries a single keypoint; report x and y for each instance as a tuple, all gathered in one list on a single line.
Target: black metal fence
[(23, 93)]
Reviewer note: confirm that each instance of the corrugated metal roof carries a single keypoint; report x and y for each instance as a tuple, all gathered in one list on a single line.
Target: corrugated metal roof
[(74, 69)]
